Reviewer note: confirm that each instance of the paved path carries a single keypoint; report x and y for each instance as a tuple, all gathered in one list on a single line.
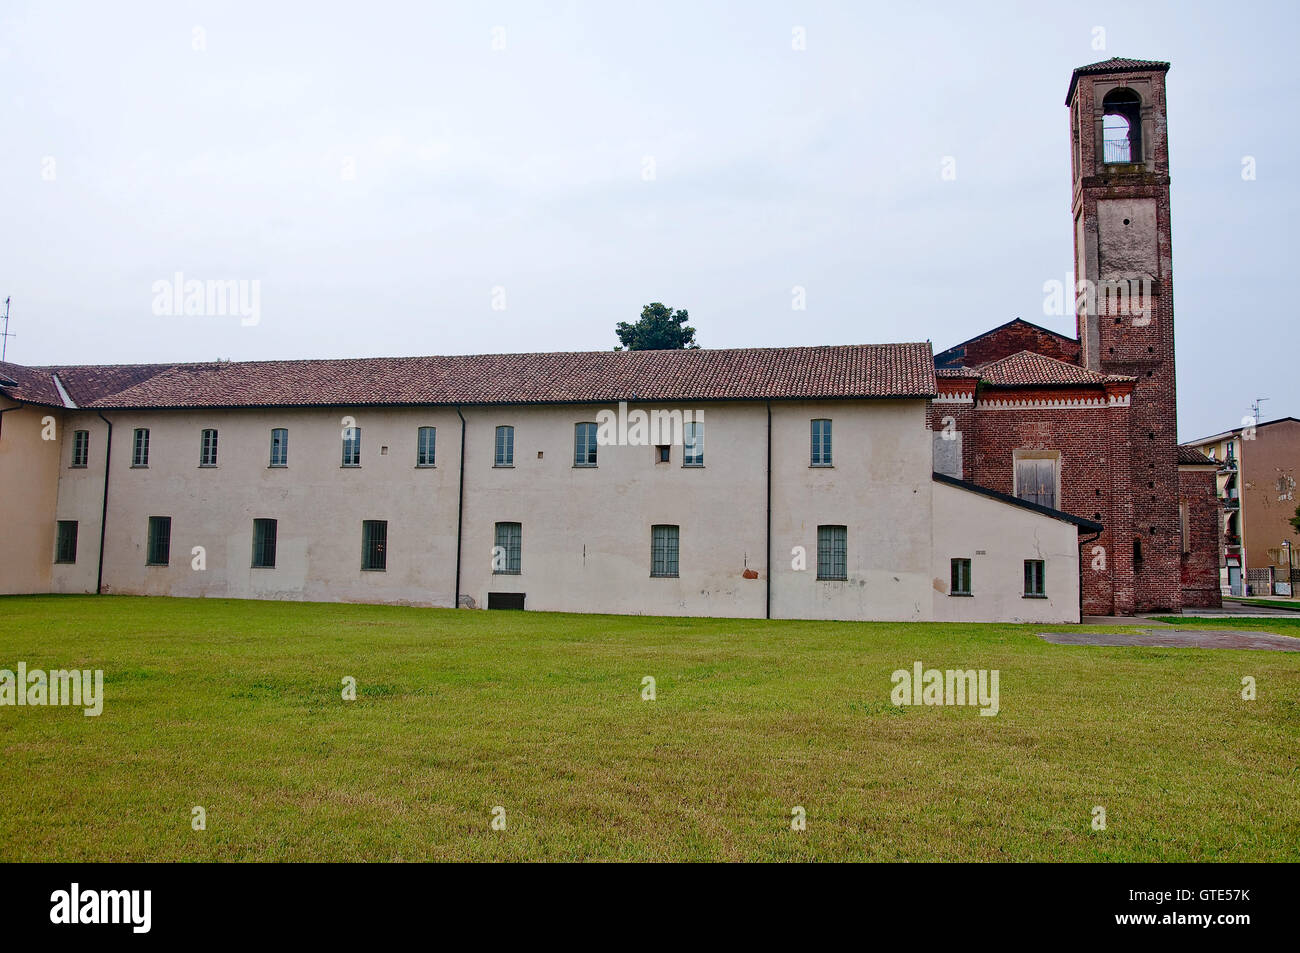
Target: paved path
[(1169, 637)]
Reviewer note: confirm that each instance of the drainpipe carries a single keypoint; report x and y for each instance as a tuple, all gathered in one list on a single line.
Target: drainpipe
[(1082, 543), (103, 515), (767, 614), (460, 505)]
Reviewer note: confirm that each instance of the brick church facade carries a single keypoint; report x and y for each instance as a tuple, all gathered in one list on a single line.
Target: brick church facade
[(1089, 424)]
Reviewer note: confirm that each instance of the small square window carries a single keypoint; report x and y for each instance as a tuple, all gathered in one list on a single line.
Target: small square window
[(663, 453), (960, 581), (1034, 588)]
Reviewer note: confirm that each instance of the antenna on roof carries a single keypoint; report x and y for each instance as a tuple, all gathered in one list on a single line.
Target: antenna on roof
[(1254, 408), (5, 335)]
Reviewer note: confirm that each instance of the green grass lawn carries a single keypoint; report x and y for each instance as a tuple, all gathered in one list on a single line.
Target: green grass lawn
[(1269, 603), (236, 707)]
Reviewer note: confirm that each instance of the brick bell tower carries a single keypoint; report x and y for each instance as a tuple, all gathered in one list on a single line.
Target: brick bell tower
[(1124, 262)]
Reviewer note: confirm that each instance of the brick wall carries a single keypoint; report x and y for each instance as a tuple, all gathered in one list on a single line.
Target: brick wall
[(1200, 559)]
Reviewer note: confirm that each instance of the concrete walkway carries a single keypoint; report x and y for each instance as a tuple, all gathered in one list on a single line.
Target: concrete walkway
[(1167, 636)]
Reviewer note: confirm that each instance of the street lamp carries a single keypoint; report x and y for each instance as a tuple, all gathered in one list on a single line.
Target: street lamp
[(1286, 544)]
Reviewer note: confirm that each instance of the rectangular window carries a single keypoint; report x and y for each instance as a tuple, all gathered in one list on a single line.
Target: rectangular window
[(832, 552), (279, 447), (1185, 525), (208, 449), (663, 550), (160, 541), (1034, 579), (425, 444), (960, 582), (65, 549), (352, 447), (1036, 481), (507, 553), (584, 445), (374, 545), (821, 443), (140, 448), (80, 447), (693, 444), (264, 533), (663, 453), (505, 447)]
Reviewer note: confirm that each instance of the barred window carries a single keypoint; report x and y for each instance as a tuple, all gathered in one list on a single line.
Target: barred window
[(264, 534), (821, 443), (832, 552), (160, 541), (425, 441), (584, 445), (374, 545), (664, 541), (65, 549), (507, 554)]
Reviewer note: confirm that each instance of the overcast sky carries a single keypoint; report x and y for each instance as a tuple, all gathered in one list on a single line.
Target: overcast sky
[(392, 180)]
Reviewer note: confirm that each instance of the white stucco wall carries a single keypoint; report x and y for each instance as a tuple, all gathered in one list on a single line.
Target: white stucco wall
[(586, 531), (997, 538)]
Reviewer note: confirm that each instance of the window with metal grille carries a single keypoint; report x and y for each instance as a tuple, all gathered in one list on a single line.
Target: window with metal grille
[(1036, 480), (663, 550), (693, 444), (821, 443), (507, 553), (65, 549), (425, 444), (505, 447), (584, 445), (264, 533), (279, 447), (208, 449), (140, 448), (832, 552), (1034, 578), (160, 541), (352, 446), (960, 582), (80, 447), (374, 545)]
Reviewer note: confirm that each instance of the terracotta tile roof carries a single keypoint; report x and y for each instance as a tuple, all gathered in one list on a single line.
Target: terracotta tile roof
[(842, 372), (1116, 64), (1027, 369), (84, 383), (1192, 456)]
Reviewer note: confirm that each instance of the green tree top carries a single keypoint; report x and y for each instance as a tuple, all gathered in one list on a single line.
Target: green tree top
[(660, 328)]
